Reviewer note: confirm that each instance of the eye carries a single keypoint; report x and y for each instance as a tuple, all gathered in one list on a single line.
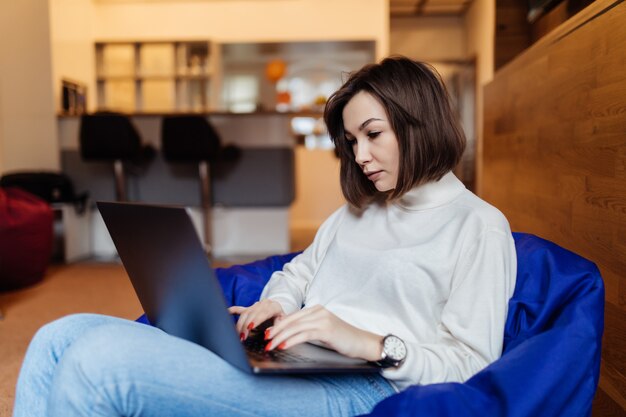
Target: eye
[(373, 134), (350, 139)]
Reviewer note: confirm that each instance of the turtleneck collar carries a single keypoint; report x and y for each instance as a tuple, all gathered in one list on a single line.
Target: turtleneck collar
[(432, 194)]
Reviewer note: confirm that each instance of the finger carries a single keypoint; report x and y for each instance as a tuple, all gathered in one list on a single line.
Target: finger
[(292, 318), (301, 335), (241, 324), (276, 320), (236, 309), (256, 314), (241, 311), (291, 326), (307, 328), (251, 319), (296, 339), (258, 317), (315, 319)]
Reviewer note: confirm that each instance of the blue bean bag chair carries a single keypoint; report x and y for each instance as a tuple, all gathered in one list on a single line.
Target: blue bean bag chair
[(552, 340)]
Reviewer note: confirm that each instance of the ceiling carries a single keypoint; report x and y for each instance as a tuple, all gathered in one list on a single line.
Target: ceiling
[(400, 8)]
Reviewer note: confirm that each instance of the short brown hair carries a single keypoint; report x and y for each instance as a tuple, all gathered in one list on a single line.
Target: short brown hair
[(430, 139)]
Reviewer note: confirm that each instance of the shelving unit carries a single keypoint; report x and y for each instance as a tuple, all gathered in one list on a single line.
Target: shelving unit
[(166, 76)]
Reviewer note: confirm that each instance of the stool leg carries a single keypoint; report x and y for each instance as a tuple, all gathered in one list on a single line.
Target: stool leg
[(120, 186), (205, 193)]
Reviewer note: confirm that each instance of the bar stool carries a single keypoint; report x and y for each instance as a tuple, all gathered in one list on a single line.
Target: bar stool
[(111, 137), (192, 139)]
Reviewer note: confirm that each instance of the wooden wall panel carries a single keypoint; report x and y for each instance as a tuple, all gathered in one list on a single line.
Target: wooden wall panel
[(512, 33), (554, 158)]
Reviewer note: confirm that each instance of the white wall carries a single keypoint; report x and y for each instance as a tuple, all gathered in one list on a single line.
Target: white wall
[(428, 38), (245, 20), (73, 55), (480, 21), (28, 139), (2, 135), (480, 31)]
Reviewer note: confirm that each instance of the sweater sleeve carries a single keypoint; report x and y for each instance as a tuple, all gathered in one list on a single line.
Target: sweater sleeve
[(471, 329), (289, 286)]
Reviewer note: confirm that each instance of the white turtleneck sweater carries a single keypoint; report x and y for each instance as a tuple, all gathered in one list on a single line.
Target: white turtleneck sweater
[(436, 268)]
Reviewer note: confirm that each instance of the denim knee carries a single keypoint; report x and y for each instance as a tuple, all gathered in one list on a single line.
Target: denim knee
[(65, 329), (107, 353)]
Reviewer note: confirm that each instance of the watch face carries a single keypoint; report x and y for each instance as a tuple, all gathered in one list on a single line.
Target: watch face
[(394, 348)]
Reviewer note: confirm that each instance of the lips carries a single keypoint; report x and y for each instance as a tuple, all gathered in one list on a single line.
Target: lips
[(373, 175)]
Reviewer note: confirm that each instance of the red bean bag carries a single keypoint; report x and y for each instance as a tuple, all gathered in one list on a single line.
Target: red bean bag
[(26, 235)]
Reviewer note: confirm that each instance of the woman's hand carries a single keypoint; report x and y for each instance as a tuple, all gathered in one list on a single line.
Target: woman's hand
[(257, 313), (317, 323)]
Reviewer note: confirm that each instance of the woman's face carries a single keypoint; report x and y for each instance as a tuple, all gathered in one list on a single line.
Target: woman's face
[(373, 141)]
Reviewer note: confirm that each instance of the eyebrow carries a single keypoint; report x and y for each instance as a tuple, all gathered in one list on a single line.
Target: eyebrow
[(367, 122), (364, 124)]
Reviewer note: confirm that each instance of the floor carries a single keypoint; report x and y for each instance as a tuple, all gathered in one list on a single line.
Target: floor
[(82, 287)]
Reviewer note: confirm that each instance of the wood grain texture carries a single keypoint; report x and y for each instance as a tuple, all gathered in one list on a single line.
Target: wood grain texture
[(512, 34), (550, 20), (554, 158), (604, 406)]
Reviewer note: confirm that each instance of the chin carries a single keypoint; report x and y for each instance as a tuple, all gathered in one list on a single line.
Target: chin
[(383, 188)]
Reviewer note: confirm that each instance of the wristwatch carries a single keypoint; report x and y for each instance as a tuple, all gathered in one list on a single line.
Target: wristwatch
[(394, 351)]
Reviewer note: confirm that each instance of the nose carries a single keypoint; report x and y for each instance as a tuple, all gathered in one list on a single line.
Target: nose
[(362, 153)]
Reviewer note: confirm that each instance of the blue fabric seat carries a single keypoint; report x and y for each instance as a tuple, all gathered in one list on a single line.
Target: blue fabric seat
[(552, 340)]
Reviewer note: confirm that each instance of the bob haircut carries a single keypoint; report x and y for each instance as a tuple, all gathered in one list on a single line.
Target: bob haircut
[(430, 139)]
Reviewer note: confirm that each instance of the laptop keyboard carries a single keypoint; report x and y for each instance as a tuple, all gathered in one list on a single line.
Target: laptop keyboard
[(256, 349)]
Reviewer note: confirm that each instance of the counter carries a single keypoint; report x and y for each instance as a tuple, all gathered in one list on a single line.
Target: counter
[(251, 198)]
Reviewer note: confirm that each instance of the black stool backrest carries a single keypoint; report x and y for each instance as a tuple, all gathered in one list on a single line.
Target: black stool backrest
[(188, 139), (108, 136)]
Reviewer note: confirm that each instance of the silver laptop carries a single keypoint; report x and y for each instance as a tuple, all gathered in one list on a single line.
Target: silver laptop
[(181, 295)]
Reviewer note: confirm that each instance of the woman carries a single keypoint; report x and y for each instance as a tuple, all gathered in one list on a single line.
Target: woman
[(415, 272)]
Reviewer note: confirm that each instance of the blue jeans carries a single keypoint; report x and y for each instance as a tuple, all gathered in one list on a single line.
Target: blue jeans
[(92, 365)]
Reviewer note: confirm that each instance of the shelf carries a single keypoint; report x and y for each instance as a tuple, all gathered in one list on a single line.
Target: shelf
[(105, 78), (156, 76), (268, 113), (192, 76)]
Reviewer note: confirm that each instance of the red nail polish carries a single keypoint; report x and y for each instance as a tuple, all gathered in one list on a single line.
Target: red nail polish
[(282, 346), (267, 347), (267, 334), (251, 326), (242, 336)]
